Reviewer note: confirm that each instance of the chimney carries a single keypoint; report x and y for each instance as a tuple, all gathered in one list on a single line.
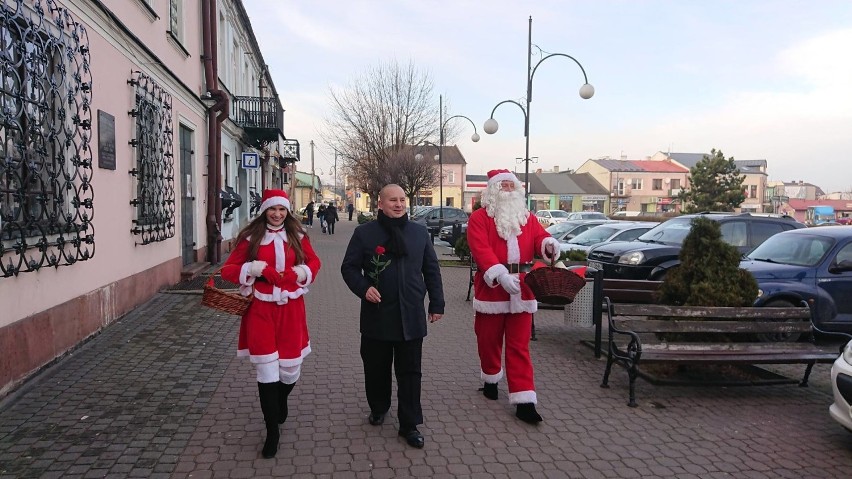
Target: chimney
[(538, 171)]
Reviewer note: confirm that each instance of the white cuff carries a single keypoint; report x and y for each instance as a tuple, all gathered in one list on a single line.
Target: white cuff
[(246, 279), (557, 251), (309, 275), (493, 273)]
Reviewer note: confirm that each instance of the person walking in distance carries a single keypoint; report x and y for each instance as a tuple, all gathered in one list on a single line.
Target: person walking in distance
[(504, 239), (331, 217), (321, 217), (391, 265), (309, 210), (350, 209), (274, 261)]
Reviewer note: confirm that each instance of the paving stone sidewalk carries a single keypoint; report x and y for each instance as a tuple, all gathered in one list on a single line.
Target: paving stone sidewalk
[(160, 394)]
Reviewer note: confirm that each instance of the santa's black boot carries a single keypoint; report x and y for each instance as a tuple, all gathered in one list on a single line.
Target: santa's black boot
[(283, 392), (489, 390), (269, 404), (526, 412)]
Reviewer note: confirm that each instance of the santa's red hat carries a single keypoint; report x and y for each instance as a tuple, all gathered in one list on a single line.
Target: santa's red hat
[(496, 176), (274, 198)]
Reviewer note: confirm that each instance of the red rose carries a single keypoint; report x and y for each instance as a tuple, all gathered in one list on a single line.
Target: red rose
[(380, 249)]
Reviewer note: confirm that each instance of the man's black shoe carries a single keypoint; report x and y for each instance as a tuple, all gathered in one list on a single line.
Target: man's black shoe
[(526, 412), (376, 419), (489, 390), (412, 437)]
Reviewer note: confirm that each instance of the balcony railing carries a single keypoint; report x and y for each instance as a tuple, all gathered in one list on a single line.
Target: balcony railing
[(262, 118)]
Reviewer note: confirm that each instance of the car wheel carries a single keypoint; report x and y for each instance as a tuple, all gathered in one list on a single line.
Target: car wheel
[(780, 337)]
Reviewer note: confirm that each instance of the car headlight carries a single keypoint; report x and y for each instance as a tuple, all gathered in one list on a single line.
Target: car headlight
[(847, 353), (635, 257)]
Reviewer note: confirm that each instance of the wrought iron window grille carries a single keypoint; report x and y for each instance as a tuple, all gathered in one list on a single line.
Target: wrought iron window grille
[(46, 196), (154, 172)]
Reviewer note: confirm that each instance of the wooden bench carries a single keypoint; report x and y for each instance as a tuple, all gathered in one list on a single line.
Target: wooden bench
[(635, 329), (619, 291)]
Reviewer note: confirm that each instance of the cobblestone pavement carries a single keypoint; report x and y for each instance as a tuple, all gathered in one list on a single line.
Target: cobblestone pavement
[(160, 394)]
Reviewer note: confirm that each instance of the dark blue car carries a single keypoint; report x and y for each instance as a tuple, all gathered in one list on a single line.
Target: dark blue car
[(811, 264)]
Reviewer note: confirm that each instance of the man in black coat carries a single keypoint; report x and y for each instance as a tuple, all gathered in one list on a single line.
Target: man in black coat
[(391, 265), (331, 217)]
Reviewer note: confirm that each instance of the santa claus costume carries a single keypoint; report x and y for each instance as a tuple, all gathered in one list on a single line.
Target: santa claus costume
[(274, 331), (504, 240)]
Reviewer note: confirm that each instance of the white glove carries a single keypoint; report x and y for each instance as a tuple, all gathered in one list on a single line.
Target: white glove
[(256, 268), (509, 282), (551, 249), (300, 274)]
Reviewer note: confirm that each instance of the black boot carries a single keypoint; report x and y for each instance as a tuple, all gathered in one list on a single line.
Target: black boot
[(489, 390), (269, 404), (526, 412), (283, 391)]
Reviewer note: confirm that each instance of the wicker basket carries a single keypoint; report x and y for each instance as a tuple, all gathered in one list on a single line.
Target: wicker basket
[(226, 301), (553, 285)]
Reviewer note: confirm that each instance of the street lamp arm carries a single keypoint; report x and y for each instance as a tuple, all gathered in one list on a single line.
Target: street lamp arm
[(508, 101), (532, 73), (443, 127)]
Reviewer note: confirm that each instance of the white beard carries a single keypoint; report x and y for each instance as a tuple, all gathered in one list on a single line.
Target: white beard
[(509, 212)]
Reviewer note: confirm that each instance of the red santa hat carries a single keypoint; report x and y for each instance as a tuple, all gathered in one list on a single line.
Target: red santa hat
[(496, 176), (274, 198)]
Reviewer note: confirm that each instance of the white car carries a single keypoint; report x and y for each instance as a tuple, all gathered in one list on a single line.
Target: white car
[(551, 217), (613, 231), (841, 384)]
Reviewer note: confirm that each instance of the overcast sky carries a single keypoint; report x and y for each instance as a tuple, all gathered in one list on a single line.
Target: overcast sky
[(758, 79)]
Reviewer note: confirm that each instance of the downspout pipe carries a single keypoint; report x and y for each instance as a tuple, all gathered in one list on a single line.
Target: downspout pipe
[(217, 114)]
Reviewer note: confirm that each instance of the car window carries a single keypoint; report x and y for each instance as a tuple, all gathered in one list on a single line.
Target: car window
[(559, 214), (735, 233), (671, 232), (799, 250), (593, 235), (629, 235), (761, 231), (844, 256)]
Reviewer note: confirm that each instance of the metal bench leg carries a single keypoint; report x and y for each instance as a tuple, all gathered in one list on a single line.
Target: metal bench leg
[(609, 361), (804, 382), (532, 329), (632, 373), (469, 286)]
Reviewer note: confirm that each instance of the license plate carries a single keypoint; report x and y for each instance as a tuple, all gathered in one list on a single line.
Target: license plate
[(596, 264)]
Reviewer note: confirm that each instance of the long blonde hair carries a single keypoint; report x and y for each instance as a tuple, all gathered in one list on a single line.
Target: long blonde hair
[(255, 230)]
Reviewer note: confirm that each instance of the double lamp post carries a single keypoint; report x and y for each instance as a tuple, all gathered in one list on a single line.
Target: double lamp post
[(490, 126), (440, 155)]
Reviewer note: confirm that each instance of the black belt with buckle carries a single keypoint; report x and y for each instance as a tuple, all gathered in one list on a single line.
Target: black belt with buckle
[(518, 267)]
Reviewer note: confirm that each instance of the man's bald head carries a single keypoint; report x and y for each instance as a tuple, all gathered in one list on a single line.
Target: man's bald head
[(392, 201)]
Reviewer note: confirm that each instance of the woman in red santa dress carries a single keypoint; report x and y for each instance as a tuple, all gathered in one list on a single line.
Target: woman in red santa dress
[(274, 261), (504, 240)]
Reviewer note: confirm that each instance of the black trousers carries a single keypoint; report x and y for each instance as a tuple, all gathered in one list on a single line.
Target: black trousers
[(350, 216), (330, 225), (378, 356)]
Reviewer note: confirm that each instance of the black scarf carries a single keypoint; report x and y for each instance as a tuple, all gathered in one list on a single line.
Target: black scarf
[(394, 226)]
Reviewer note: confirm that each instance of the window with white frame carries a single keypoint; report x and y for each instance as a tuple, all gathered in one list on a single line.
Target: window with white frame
[(176, 19), (451, 177), (636, 183)]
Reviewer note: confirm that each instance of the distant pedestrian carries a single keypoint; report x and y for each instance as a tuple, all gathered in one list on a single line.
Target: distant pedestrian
[(350, 209), (331, 218), (391, 265), (274, 261), (309, 210), (321, 217)]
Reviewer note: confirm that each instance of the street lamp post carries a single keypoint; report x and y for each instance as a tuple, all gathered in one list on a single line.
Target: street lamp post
[(490, 126), (443, 123)]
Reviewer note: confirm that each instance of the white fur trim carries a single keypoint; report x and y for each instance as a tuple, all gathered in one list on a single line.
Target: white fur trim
[(289, 374), (267, 372), (296, 361), (275, 201), (309, 275), (513, 255), (523, 397), (508, 176), (556, 249), (491, 274), (502, 307), (280, 296), (491, 378), (246, 279)]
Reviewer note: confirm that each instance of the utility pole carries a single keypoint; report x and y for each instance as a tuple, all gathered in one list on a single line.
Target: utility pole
[(313, 190)]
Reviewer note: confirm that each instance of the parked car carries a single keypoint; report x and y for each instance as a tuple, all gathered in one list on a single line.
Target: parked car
[(446, 233), (651, 255), (844, 220), (587, 215), (551, 217), (613, 231), (812, 264), (431, 217), (626, 214), (569, 229), (841, 385)]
